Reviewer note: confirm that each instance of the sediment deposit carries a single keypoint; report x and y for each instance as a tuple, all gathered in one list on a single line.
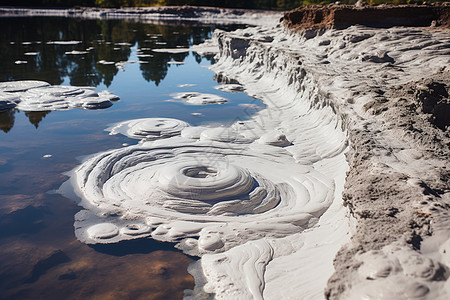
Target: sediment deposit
[(393, 88), (338, 189), (33, 95), (248, 199), (382, 16)]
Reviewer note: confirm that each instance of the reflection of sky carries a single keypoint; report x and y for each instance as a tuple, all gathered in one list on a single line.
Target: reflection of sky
[(149, 100), (67, 135), (139, 99), (39, 147)]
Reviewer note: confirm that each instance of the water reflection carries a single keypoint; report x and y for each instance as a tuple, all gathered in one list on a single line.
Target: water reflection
[(23, 220), (88, 52), (40, 256), (143, 246), (29, 49), (36, 117), (41, 259), (7, 119)]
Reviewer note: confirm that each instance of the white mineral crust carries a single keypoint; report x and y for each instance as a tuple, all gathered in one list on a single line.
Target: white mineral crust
[(39, 95), (260, 201)]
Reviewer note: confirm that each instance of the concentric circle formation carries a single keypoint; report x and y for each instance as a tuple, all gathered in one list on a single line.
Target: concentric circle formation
[(103, 231), (31, 95), (177, 188), (199, 181), (182, 183), (149, 128), (195, 98)]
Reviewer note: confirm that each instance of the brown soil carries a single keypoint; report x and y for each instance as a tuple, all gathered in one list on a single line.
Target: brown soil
[(383, 16), (385, 204)]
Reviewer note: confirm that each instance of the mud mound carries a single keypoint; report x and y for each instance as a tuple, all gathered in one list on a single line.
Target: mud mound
[(383, 16)]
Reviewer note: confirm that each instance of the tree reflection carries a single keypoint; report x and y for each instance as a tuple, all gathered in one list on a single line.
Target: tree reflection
[(36, 117), (103, 40), (7, 119), (29, 51)]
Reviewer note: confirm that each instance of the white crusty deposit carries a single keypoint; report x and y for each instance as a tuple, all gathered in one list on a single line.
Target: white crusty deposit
[(195, 98), (354, 71), (29, 95), (245, 198), (220, 192), (231, 88), (149, 129), (260, 201), (208, 191)]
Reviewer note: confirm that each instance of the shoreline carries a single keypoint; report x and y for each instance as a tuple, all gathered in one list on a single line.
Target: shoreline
[(387, 91), (390, 89), (397, 189), (207, 15)]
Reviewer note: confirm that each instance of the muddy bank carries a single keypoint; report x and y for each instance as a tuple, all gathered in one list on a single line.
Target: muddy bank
[(389, 88), (378, 95), (383, 16), (397, 189), (397, 112)]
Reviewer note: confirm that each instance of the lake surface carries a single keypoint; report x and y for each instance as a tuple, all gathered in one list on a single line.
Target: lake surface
[(40, 257)]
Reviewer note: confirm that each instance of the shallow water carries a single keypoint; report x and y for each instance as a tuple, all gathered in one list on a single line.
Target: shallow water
[(40, 256)]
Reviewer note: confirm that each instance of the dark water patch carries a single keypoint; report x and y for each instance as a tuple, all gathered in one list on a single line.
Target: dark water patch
[(37, 148), (42, 266), (7, 120), (137, 246), (68, 276), (52, 264), (27, 220), (98, 40)]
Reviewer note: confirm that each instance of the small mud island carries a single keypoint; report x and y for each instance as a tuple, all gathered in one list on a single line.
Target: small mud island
[(339, 189)]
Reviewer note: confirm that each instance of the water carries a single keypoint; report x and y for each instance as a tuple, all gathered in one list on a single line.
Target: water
[(40, 257)]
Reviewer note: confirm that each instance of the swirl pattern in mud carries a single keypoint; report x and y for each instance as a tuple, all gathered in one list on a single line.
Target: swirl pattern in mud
[(178, 188), (149, 129), (195, 98), (29, 95)]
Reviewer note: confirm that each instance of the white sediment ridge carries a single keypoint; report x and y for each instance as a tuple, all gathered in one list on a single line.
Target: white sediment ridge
[(33, 95), (195, 98), (245, 198), (149, 129), (261, 201)]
